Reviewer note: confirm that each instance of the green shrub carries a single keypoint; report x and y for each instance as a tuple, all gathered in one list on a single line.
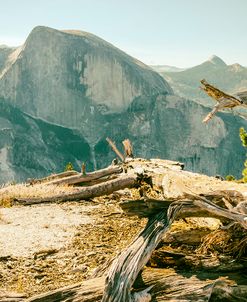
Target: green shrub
[(244, 172), (230, 177), (69, 167), (243, 136)]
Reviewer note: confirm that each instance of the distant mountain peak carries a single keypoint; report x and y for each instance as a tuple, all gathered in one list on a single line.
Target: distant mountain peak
[(3, 46), (216, 60), (166, 68)]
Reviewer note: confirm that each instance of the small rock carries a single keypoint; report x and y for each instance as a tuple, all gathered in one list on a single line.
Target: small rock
[(80, 269)]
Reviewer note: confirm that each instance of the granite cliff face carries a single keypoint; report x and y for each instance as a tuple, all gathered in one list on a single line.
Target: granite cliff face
[(68, 71), (72, 87), (30, 147), (5, 51), (171, 127)]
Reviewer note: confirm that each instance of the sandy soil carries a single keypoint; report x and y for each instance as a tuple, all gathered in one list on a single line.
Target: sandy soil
[(45, 247), (27, 230)]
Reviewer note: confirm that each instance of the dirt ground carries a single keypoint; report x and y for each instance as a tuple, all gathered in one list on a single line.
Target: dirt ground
[(44, 247)]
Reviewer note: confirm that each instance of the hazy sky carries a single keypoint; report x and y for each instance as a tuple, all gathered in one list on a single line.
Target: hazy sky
[(173, 32)]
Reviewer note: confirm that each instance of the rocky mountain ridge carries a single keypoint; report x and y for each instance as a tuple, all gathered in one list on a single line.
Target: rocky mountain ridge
[(166, 68), (83, 89), (231, 78)]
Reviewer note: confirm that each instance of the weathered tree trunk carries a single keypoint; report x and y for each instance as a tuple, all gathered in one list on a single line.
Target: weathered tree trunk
[(126, 267), (88, 291), (216, 93), (115, 149), (85, 192), (53, 176), (196, 206), (123, 274), (128, 149), (214, 209), (150, 207), (225, 101), (171, 287), (80, 178)]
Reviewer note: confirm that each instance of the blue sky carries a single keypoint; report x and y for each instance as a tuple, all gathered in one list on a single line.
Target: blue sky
[(173, 32)]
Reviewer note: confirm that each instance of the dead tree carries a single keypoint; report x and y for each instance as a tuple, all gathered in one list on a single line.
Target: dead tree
[(128, 149), (85, 193), (224, 100), (190, 289), (85, 178), (115, 149), (53, 177)]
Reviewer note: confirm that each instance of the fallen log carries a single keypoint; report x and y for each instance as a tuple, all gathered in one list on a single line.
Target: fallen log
[(167, 286), (81, 177), (53, 176), (197, 207), (123, 274), (98, 181), (84, 193), (214, 209), (88, 291)]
